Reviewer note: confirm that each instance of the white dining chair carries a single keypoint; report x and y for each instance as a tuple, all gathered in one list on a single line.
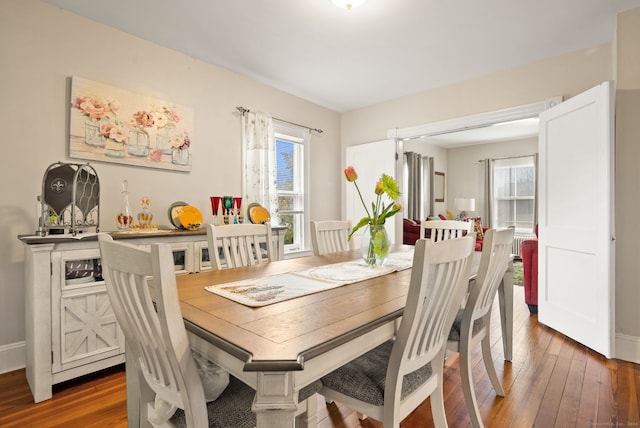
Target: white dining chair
[(240, 245), (471, 325), (142, 291), (390, 381), (438, 230), (330, 236)]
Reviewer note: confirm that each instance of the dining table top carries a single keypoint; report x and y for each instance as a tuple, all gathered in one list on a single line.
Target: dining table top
[(283, 335)]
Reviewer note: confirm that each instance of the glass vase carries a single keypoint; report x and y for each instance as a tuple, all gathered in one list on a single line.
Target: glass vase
[(180, 157), (163, 143), (92, 135), (114, 149), (375, 244), (138, 143)]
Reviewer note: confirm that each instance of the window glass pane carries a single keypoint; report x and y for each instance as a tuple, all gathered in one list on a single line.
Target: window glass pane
[(505, 213), (524, 181), (290, 187), (514, 192), (502, 182), (286, 202), (285, 165), (524, 214), (293, 234)]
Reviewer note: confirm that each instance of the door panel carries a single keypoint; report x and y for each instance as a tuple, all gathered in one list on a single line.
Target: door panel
[(370, 160), (576, 287)]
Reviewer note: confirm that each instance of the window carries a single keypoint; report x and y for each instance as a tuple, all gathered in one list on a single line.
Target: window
[(291, 185), (514, 190)]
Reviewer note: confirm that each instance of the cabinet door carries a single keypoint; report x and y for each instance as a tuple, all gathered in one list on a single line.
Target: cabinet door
[(202, 261), (183, 259), (83, 326)]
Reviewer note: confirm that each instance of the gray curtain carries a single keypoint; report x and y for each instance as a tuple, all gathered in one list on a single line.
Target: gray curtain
[(535, 190), (418, 185), (428, 176), (486, 191), (413, 168)]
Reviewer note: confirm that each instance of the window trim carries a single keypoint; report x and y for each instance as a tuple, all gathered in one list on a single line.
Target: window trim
[(298, 135), (515, 198)]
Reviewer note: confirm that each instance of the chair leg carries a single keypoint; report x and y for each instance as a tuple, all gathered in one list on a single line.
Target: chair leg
[(488, 364), (437, 407), (309, 419), (467, 380), (437, 396)]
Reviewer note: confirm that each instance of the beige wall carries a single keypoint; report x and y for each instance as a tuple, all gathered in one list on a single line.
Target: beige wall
[(565, 76), (42, 47), (464, 169), (627, 180)]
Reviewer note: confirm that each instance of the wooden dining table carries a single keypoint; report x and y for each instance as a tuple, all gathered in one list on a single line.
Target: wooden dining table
[(280, 348)]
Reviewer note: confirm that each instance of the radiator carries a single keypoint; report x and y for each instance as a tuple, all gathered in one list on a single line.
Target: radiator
[(517, 241)]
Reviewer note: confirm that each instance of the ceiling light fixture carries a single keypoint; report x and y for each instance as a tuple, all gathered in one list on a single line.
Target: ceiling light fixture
[(348, 4)]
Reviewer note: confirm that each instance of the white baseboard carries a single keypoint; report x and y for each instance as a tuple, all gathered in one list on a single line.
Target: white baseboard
[(628, 348), (12, 357)]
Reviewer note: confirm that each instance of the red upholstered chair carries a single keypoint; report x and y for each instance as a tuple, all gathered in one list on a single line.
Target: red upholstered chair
[(529, 252), (410, 231)]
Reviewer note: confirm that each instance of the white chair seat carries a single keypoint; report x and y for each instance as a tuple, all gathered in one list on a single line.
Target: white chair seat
[(365, 376)]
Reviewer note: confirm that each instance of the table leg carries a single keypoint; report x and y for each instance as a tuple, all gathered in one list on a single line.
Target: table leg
[(505, 298), (275, 404)]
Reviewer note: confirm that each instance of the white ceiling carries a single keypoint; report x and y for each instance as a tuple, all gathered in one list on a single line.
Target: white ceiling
[(384, 49)]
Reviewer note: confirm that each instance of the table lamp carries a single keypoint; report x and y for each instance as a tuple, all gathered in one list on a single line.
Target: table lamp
[(463, 205)]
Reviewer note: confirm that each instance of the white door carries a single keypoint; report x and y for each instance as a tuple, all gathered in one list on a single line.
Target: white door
[(576, 249), (370, 160)]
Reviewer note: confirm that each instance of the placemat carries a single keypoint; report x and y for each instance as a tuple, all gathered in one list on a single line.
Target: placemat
[(266, 290)]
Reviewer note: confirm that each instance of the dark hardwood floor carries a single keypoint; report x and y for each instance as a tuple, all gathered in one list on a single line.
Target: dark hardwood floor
[(552, 382)]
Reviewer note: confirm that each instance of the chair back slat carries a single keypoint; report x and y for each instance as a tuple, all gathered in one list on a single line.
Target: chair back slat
[(239, 244), (439, 230), (438, 281), (496, 253), (330, 236), (141, 285)]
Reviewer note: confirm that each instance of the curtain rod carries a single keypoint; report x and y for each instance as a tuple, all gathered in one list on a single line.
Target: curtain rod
[(243, 110), (510, 157)]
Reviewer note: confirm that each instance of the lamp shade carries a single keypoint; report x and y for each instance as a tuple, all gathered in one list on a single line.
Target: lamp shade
[(347, 4), (464, 204)]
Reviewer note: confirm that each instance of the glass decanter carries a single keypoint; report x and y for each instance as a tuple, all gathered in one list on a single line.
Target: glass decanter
[(124, 218), (145, 216)]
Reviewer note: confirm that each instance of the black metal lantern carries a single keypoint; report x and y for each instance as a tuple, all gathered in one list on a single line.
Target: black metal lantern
[(70, 198)]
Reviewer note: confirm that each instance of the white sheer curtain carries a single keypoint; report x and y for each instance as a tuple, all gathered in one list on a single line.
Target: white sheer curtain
[(259, 152)]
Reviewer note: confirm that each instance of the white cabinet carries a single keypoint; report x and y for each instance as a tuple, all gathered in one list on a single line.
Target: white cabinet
[(70, 327), (83, 327)]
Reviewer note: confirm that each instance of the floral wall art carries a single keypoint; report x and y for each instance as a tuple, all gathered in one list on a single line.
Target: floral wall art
[(110, 124)]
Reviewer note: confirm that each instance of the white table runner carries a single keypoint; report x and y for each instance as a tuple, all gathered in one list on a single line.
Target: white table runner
[(266, 290)]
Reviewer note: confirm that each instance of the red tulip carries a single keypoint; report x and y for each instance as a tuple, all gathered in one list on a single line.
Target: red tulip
[(379, 188), (351, 174)]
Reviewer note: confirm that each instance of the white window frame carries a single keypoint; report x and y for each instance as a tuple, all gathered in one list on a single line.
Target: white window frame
[(513, 163), (297, 135)]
